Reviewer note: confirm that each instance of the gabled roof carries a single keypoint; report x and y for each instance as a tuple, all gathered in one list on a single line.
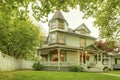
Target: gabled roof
[(92, 47), (58, 15), (82, 25)]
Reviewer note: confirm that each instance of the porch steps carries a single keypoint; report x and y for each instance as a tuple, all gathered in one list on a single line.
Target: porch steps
[(95, 69)]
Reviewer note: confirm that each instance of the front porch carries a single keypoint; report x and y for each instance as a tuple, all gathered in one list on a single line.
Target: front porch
[(60, 57)]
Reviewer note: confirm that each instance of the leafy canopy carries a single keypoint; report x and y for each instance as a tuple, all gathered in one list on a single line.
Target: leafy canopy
[(19, 37), (105, 12)]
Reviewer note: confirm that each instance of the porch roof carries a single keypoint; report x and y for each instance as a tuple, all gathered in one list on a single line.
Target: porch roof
[(61, 46), (90, 49)]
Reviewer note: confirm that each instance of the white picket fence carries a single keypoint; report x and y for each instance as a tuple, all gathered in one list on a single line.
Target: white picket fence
[(8, 63)]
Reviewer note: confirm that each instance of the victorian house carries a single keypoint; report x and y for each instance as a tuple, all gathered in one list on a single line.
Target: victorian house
[(65, 47)]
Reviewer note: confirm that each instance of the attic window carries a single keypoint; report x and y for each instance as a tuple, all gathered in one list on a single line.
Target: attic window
[(82, 31), (61, 24)]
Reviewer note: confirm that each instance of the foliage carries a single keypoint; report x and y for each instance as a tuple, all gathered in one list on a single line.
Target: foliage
[(106, 45), (105, 12), (81, 69), (51, 75), (74, 68), (77, 69), (18, 37), (37, 66), (106, 69)]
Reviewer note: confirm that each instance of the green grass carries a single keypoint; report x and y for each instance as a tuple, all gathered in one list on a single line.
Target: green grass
[(47, 75), (115, 72)]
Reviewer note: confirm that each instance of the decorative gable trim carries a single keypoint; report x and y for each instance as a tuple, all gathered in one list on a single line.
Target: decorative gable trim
[(80, 27)]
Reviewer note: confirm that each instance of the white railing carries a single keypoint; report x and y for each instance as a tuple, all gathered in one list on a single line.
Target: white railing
[(68, 63), (116, 66), (60, 63), (50, 63)]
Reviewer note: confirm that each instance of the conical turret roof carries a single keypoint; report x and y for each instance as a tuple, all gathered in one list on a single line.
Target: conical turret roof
[(58, 15)]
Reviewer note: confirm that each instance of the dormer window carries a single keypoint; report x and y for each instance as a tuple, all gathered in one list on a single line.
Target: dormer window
[(61, 24), (53, 24)]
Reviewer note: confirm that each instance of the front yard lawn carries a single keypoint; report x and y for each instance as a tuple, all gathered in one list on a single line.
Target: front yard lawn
[(115, 72), (47, 75)]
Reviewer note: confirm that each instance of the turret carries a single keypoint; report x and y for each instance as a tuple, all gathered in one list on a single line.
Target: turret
[(58, 22)]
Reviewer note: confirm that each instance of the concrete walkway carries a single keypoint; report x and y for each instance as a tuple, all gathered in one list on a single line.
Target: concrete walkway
[(117, 75)]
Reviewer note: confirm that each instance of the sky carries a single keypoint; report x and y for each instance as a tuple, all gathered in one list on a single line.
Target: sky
[(74, 19)]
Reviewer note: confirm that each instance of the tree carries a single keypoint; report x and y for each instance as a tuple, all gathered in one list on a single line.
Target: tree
[(19, 38), (106, 45)]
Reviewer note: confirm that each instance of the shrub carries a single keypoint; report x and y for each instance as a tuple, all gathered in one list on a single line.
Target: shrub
[(81, 69), (74, 68), (37, 66), (106, 69)]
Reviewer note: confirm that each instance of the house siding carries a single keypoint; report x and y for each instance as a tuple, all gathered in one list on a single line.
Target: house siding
[(72, 41), (71, 57), (75, 41), (89, 42)]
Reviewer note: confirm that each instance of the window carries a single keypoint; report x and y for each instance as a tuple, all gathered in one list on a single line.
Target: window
[(60, 38), (44, 58), (63, 56), (54, 55), (53, 24), (117, 60), (53, 38), (82, 42), (61, 24), (105, 61), (82, 31)]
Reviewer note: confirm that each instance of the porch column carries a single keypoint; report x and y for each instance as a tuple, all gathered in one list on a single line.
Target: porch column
[(82, 59), (48, 57), (58, 58), (97, 58), (39, 54), (101, 58), (78, 52)]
